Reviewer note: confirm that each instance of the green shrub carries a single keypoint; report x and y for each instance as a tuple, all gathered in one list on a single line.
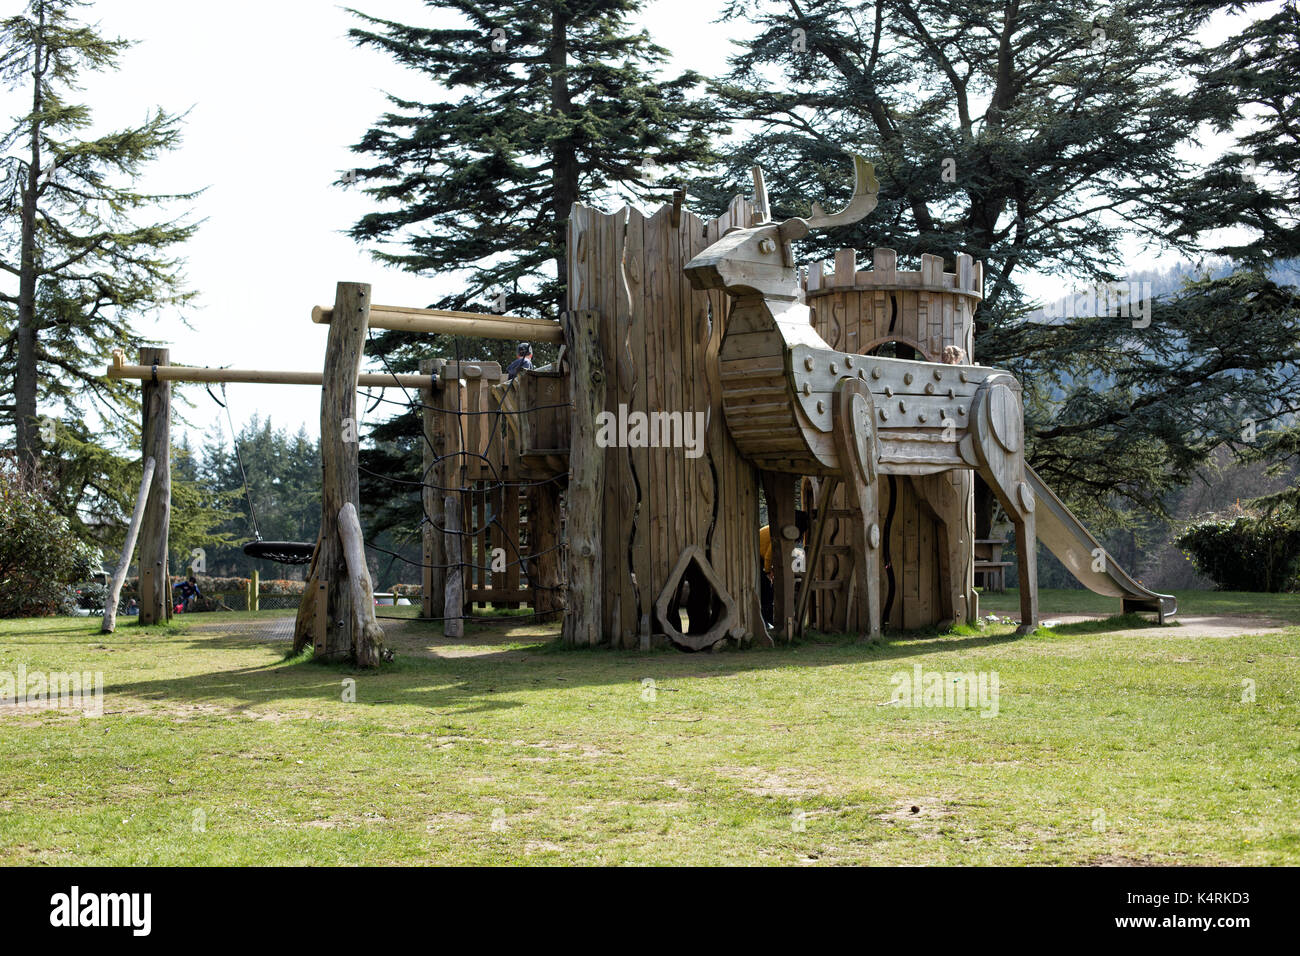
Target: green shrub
[(39, 554), (1249, 551)]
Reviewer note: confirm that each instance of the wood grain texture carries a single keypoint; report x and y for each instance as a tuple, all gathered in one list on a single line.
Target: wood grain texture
[(433, 576), (584, 605), (339, 486), (368, 636), (155, 523), (128, 548), (453, 623)]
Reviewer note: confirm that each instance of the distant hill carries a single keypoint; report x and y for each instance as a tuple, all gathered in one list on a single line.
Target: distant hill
[(1169, 282)]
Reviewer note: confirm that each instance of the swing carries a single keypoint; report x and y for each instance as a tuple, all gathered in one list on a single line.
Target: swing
[(281, 552)]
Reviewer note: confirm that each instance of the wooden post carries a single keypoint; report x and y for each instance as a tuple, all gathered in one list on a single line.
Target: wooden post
[(433, 579), (544, 579), (453, 623), (255, 591), (453, 474), (147, 577), (1027, 566), (128, 547), (340, 484), (510, 541), (584, 598), (155, 523)]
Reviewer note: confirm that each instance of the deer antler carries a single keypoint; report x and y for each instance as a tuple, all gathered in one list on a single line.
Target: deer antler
[(865, 189)]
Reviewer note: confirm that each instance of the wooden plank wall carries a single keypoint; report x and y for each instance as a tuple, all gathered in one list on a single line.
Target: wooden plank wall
[(856, 311), (469, 389), (660, 340)]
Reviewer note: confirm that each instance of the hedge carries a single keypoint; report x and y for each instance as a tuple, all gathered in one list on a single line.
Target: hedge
[(1249, 551)]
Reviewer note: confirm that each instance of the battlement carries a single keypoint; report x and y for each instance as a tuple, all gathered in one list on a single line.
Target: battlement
[(825, 277)]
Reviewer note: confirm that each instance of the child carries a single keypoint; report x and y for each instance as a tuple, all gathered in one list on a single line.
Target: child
[(189, 592)]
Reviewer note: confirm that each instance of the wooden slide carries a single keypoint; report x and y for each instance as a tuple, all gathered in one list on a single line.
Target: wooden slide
[(1085, 558)]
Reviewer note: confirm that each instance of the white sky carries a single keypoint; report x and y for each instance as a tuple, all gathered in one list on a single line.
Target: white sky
[(277, 93)]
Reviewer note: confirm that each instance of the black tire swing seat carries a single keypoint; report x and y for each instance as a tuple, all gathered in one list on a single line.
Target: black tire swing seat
[(281, 552)]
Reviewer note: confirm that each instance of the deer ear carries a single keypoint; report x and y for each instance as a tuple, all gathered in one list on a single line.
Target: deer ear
[(793, 229)]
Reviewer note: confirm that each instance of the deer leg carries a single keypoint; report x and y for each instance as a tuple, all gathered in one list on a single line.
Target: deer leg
[(855, 439), (995, 446)]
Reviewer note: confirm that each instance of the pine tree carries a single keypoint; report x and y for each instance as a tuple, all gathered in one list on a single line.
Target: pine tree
[(69, 236), (541, 104), (1253, 193), (545, 103)]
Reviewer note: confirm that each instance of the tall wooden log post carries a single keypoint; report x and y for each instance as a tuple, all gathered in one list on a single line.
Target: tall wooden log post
[(453, 622), (326, 616), (155, 524), (433, 579), (583, 596), (453, 477)]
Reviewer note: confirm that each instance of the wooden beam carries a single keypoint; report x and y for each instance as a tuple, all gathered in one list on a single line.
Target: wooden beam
[(480, 325), (259, 376), (155, 522)]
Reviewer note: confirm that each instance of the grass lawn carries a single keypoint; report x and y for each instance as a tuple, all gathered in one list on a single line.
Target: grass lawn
[(1277, 607), (214, 748)]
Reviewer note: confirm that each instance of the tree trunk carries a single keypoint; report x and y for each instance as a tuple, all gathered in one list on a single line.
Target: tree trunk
[(25, 374), (565, 177)]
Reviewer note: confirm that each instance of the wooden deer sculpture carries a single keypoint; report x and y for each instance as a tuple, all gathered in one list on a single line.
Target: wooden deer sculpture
[(795, 405)]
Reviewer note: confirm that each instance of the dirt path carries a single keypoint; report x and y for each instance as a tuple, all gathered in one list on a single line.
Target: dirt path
[(1200, 625)]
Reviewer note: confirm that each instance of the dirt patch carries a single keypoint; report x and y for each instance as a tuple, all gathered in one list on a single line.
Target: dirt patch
[(1200, 625), (768, 783), (1113, 859)]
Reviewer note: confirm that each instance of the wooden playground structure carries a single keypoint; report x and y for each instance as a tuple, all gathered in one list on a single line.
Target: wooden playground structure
[(701, 372)]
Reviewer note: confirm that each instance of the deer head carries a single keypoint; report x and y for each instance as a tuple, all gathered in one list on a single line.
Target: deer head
[(758, 260)]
